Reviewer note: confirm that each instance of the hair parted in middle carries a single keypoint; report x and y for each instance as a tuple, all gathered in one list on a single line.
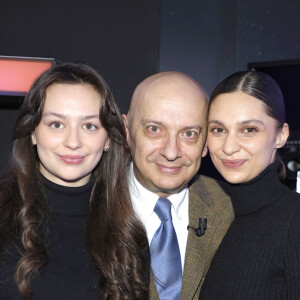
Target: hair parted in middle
[(262, 87)]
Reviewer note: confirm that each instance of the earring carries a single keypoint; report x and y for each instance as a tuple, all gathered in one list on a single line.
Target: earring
[(106, 149)]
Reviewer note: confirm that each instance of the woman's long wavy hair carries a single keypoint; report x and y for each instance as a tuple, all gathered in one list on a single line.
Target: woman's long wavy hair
[(262, 87), (115, 237)]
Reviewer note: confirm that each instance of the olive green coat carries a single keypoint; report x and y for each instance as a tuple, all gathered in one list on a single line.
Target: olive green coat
[(206, 200)]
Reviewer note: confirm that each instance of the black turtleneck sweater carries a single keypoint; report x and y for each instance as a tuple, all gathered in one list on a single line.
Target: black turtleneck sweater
[(259, 257), (70, 272)]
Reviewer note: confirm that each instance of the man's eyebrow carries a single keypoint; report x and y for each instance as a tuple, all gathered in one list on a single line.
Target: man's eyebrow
[(198, 127), (65, 116), (216, 122), (148, 121)]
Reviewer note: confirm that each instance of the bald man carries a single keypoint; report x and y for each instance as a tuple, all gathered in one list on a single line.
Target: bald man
[(166, 127)]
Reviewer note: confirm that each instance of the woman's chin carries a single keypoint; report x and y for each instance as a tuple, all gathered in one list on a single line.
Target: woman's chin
[(234, 177)]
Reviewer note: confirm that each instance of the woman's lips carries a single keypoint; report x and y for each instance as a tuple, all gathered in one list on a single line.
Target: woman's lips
[(72, 159), (233, 163)]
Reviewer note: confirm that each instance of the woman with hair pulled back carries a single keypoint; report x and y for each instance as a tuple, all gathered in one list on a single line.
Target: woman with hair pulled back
[(259, 257), (67, 226)]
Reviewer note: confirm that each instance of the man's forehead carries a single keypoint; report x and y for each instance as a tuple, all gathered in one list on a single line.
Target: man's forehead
[(171, 101), (177, 125), (171, 113), (169, 85), (170, 92)]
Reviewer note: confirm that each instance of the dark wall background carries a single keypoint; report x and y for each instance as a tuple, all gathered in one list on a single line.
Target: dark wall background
[(209, 40), (127, 40), (119, 38)]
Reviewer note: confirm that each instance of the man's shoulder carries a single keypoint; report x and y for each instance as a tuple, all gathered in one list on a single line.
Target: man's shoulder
[(209, 191), (207, 200), (200, 178)]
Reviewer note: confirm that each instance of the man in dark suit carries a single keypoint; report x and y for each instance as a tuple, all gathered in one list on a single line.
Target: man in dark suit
[(166, 127)]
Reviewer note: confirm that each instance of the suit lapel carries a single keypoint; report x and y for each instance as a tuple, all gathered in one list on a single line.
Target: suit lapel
[(206, 200), (153, 294), (195, 261)]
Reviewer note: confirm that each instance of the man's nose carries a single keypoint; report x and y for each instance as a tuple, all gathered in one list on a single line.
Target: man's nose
[(171, 148)]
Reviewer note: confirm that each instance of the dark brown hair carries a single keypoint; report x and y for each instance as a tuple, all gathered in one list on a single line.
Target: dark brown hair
[(260, 86), (115, 237)]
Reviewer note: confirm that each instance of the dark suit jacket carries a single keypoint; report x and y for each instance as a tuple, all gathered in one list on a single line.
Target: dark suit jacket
[(206, 200)]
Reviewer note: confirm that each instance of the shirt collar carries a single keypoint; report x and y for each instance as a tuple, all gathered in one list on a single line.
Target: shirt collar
[(144, 200)]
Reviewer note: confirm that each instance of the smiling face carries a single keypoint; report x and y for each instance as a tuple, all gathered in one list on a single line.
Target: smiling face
[(242, 139), (166, 129), (70, 138)]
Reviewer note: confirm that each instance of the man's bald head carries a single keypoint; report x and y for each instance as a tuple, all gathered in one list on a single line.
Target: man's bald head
[(165, 83), (166, 127)]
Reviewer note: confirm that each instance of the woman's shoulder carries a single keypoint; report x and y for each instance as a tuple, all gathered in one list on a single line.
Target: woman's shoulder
[(289, 202), (10, 256), (294, 205), (289, 207), (289, 197), (291, 240), (8, 262)]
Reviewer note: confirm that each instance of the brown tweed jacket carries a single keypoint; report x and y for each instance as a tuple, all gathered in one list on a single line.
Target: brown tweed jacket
[(206, 200)]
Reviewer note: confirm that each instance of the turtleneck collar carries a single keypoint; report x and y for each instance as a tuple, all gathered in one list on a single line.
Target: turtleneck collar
[(260, 191), (68, 201)]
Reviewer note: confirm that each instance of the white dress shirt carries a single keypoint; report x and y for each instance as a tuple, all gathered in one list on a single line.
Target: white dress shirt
[(144, 202)]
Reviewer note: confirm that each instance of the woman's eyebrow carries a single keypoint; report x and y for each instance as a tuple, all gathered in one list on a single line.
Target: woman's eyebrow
[(64, 116)]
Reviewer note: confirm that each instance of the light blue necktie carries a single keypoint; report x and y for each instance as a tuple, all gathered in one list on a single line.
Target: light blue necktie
[(165, 254)]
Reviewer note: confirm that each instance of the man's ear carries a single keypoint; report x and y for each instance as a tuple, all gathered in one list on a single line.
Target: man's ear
[(282, 136), (33, 138), (205, 150), (125, 121)]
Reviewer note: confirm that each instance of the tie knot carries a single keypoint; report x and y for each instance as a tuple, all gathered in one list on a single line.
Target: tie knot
[(163, 209)]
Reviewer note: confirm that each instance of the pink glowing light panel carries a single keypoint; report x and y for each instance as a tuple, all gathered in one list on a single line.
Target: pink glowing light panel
[(18, 73)]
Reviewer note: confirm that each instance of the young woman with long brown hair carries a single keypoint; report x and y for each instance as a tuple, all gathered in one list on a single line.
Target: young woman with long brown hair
[(67, 226)]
